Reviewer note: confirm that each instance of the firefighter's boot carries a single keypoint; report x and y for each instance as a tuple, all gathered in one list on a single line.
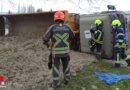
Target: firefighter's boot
[(117, 65), (128, 62), (98, 57)]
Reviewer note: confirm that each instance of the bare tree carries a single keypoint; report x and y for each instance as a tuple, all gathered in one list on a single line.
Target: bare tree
[(76, 5), (39, 10), (23, 9), (19, 7), (88, 5), (13, 5), (9, 12), (30, 9)]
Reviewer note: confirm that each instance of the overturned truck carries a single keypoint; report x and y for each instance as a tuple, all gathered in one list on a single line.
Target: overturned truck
[(34, 25), (107, 17)]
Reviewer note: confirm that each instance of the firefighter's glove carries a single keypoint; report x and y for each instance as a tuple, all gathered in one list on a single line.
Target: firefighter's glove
[(91, 43), (46, 43), (68, 57), (49, 65), (92, 30), (50, 62)]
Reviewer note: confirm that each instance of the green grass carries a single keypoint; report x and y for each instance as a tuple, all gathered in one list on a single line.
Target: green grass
[(86, 78)]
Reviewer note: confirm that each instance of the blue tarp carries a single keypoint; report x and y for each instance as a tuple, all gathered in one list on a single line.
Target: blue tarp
[(111, 78)]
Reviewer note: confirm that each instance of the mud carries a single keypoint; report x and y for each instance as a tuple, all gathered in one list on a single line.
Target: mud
[(23, 63)]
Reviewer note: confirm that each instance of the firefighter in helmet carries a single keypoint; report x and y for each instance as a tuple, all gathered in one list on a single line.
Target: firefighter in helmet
[(60, 34), (97, 40), (120, 43)]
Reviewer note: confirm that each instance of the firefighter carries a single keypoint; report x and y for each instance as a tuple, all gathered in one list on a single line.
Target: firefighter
[(120, 43), (97, 40), (60, 34)]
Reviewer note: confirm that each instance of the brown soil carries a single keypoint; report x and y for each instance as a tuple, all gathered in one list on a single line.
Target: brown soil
[(23, 63)]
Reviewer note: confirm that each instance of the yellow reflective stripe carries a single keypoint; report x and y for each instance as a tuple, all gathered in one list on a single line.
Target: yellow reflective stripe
[(60, 52), (56, 70), (118, 58), (59, 37), (57, 41), (67, 75), (56, 78), (128, 57), (65, 40), (120, 34), (62, 36), (120, 41), (66, 69), (61, 48), (100, 42), (99, 37), (120, 46)]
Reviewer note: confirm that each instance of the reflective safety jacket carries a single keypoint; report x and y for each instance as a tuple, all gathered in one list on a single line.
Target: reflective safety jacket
[(120, 37), (60, 35), (98, 35)]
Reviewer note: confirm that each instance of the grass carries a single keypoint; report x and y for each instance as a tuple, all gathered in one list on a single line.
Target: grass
[(86, 78)]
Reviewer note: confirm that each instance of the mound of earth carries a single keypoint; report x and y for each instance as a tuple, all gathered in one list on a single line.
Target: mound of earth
[(23, 63)]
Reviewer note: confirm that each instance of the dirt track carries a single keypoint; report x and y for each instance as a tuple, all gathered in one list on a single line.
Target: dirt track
[(23, 63)]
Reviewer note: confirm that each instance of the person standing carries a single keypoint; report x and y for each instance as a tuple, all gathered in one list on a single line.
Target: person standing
[(97, 40), (60, 34), (120, 43)]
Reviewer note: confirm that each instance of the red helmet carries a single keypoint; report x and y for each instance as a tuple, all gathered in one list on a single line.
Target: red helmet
[(59, 15)]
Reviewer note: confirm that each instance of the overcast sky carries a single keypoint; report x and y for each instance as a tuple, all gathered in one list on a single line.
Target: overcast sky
[(74, 7)]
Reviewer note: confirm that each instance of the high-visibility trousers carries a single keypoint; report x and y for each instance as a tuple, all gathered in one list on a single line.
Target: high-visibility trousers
[(98, 47), (66, 69), (120, 53)]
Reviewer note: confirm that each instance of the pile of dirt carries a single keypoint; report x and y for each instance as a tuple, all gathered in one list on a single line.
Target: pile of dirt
[(23, 63)]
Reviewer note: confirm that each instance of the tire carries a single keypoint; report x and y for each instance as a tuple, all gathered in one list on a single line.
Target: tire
[(76, 43), (76, 19)]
